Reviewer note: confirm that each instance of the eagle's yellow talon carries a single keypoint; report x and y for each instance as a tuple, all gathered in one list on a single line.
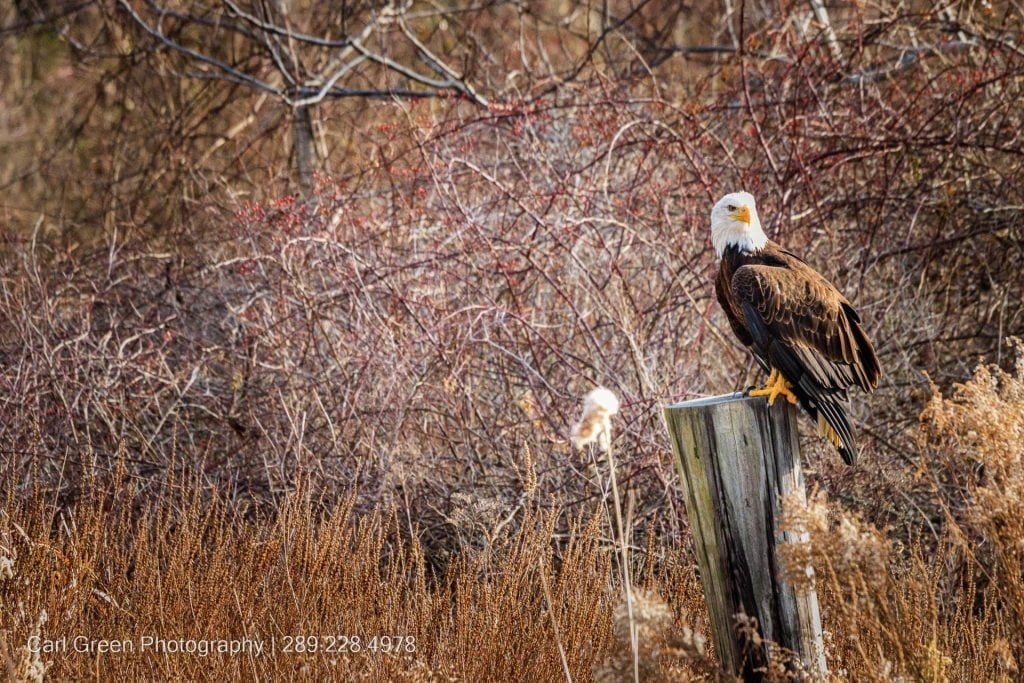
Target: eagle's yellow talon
[(777, 385)]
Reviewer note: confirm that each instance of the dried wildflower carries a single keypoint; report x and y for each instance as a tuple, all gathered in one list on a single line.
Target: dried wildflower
[(530, 484), (662, 645), (29, 667), (476, 514), (820, 535), (1002, 652), (6, 567), (595, 424), (936, 664)]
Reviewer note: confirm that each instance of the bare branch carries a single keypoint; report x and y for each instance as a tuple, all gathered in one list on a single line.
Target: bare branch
[(438, 65), (234, 74), (285, 32), (448, 84)]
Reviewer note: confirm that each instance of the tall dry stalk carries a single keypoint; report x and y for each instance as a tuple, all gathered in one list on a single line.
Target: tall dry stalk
[(594, 430)]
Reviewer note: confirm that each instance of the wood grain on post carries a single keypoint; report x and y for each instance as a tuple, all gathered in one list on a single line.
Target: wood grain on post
[(738, 459)]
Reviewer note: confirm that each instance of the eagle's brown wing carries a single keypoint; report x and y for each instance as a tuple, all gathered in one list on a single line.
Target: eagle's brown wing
[(813, 334), (803, 327)]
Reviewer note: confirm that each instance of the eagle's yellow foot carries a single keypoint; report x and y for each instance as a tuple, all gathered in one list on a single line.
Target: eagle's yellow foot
[(777, 385)]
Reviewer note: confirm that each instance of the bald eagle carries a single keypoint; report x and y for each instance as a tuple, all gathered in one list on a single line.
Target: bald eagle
[(799, 327)]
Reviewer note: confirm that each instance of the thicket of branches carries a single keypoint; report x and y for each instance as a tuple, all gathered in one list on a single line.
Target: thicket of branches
[(422, 323)]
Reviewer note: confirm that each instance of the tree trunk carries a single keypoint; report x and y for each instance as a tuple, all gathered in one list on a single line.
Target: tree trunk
[(303, 148)]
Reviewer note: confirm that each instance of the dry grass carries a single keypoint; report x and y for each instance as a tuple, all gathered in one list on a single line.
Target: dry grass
[(190, 567)]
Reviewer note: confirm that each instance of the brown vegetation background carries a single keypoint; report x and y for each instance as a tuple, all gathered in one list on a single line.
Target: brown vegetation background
[(278, 369)]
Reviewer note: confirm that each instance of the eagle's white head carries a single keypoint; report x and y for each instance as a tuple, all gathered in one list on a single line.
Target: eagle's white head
[(734, 222)]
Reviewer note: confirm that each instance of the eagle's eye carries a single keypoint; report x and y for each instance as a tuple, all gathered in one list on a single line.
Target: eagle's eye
[(731, 207)]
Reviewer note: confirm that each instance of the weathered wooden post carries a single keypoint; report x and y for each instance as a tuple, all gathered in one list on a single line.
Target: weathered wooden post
[(738, 459)]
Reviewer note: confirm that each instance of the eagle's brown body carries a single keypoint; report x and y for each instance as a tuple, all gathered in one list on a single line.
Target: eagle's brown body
[(797, 323)]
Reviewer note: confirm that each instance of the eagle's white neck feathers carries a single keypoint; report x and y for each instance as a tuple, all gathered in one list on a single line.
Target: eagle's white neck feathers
[(728, 228)]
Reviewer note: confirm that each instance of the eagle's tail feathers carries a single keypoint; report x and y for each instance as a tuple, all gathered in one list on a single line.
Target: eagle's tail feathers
[(835, 426)]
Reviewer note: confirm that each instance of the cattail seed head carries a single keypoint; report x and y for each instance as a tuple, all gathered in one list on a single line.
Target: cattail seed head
[(595, 424)]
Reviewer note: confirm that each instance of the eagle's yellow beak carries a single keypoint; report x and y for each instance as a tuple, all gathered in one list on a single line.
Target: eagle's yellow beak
[(743, 214)]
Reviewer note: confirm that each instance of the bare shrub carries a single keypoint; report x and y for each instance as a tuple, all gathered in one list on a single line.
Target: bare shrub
[(666, 651), (422, 324)]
